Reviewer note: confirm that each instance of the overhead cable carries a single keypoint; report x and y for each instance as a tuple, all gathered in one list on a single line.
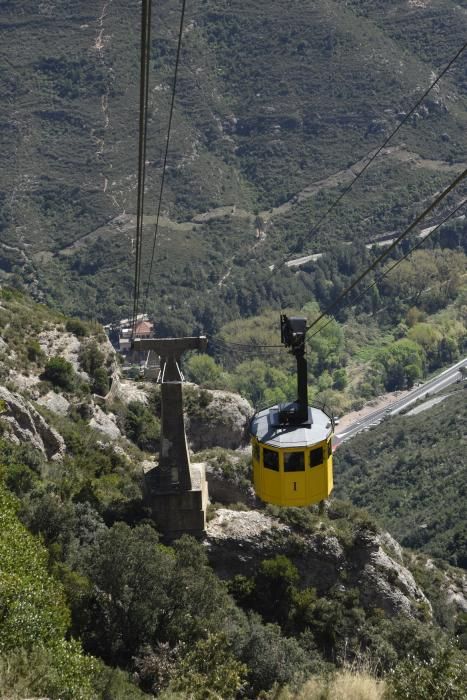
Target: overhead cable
[(229, 344), (396, 263), (143, 122), (250, 350), (339, 198), (167, 143), (391, 247)]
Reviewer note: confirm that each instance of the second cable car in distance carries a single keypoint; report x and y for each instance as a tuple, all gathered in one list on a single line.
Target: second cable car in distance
[(292, 442)]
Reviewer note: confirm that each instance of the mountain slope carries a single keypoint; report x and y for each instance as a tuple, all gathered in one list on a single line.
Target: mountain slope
[(271, 99), (303, 591), (411, 471)]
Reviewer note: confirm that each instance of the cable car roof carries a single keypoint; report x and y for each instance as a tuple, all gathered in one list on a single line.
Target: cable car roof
[(266, 427)]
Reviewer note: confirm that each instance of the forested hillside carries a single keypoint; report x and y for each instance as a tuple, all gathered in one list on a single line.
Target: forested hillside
[(274, 602), (279, 105), (276, 103), (411, 473), (411, 323)]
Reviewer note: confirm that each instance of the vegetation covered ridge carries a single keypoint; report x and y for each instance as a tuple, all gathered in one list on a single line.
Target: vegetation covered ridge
[(411, 472), (265, 106), (110, 611)]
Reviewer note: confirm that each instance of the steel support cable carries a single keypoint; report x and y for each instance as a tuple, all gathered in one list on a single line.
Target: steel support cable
[(143, 120), (246, 346), (230, 344), (395, 264), (248, 350), (391, 247), (252, 354), (244, 351), (338, 199), (167, 143), (242, 348)]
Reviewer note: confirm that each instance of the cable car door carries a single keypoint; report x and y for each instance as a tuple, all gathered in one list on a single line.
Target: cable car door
[(270, 476), (294, 491)]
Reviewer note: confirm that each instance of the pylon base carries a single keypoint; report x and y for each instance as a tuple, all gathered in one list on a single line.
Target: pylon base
[(177, 512)]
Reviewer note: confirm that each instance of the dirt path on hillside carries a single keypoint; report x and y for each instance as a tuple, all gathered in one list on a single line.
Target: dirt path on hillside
[(340, 178)]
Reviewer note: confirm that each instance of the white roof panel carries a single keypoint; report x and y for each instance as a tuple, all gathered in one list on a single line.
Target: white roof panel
[(266, 428)]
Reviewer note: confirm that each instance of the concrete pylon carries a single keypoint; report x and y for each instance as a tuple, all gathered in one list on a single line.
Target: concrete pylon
[(176, 490)]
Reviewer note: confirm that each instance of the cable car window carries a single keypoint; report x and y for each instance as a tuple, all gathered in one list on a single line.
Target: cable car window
[(329, 449), (294, 462), (271, 459), (316, 457), (255, 451)]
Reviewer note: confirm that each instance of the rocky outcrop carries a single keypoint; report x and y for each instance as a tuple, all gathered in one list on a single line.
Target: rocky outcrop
[(54, 402), (126, 391), (58, 342), (227, 491), (229, 481), (221, 421), (454, 585), (237, 541), (213, 418), (248, 528), (105, 422), (24, 424), (457, 593), (384, 582), (24, 383)]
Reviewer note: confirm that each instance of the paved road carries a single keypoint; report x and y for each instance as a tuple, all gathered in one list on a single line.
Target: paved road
[(441, 381), (380, 241)]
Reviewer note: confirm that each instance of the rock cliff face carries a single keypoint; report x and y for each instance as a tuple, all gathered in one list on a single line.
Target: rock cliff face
[(59, 342), (237, 541), (24, 424), (231, 489), (55, 402), (126, 391), (213, 418), (105, 422), (221, 422)]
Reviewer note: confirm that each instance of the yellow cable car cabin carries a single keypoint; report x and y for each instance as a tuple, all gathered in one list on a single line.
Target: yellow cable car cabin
[(292, 465), (292, 443)]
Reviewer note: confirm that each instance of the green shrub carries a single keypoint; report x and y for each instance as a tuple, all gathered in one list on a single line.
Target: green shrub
[(8, 293), (35, 618), (203, 370), (209, 671), (100, 381), (20, 478), (77, 327), (441, 677), (114, 684), (274, 588), (91, 357), (32, 604), (144, 593), (60, 373), (142, 426), (271, 658), (34, 351), (56, 671), (339, 379)]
